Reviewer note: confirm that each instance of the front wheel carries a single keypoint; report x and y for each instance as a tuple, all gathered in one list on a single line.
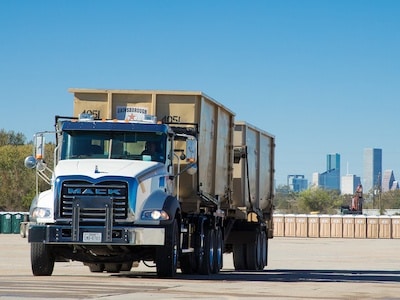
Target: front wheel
[(42, 259), (167, 255)]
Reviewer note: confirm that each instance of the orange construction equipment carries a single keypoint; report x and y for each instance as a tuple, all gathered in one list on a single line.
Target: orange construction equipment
[(357, 200)]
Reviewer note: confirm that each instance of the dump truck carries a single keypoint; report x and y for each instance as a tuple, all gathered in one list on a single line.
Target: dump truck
[(167, 178)]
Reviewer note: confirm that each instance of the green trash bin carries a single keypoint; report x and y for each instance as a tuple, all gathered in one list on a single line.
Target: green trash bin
[(16, 220), (6, 223)]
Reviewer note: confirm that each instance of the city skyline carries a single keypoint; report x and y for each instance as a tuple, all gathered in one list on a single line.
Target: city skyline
[(374, 177), (318, 75)]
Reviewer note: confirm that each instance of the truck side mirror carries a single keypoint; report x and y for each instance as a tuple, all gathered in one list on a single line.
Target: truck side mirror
[(30, 162)]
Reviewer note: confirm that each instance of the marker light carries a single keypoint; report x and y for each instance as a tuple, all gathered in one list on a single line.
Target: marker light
[(86, 117)]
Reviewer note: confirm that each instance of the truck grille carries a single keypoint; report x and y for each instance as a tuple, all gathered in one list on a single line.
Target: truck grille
[(92, 200)]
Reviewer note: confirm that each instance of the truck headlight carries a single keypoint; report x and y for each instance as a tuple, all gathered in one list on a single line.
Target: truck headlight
[(40, 212), (154, 215)]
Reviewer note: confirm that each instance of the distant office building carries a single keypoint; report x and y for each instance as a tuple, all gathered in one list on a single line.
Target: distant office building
[(372, 169), (333, 162), (395, 185), (315, 180), (297, 183), (349, 184), (388, 181), (330, 179)]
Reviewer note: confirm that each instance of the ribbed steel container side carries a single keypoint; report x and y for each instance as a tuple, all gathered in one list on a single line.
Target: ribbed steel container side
[(258, 192), (215, 130)]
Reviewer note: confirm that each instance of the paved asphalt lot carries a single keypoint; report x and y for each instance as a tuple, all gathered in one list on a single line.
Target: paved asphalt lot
[(299, 268)]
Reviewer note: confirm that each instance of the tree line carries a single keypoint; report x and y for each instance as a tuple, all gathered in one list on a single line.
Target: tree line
[(329, 201), (18, 184)]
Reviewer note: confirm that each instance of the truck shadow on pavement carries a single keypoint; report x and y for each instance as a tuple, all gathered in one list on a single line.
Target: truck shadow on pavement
[(288, 275)]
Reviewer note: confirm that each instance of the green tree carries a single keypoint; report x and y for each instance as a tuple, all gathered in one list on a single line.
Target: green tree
[(285, 200), (11, 138), (390, 199), (16, 181), (319, 200)]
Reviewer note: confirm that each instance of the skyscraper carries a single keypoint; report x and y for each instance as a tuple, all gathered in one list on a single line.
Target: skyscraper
[(330, 179), (333, 162), (349, 183), (388, 181), (372, 169), (297, 183)]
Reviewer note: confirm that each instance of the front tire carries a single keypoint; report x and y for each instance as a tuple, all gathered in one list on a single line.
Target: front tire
[(168, 255), (42, 259)]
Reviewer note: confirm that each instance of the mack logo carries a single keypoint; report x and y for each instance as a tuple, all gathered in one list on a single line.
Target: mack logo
[(94, 191)]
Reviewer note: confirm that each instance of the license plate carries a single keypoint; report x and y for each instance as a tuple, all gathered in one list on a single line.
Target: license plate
[(92, 237)]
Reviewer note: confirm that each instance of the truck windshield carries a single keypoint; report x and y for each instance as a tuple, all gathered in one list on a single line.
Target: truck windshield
[(78, 144)]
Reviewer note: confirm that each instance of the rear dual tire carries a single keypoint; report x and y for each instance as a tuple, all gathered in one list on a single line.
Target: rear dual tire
[(212, 254), (251, 256), (208, 255)]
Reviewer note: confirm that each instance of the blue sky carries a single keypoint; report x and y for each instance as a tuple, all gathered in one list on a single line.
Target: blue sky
[(322, 76)]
